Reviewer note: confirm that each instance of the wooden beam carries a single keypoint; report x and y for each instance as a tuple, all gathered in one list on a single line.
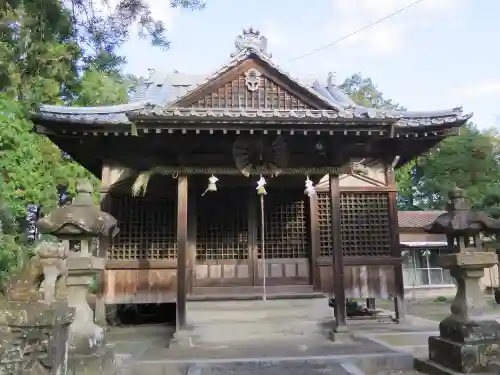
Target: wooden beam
[(182, 250), (314, 241), (399, 304), (361, 261), (338, 258)]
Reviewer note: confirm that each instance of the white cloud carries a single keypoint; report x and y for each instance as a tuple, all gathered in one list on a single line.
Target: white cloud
[(388, 36), (479, 90)]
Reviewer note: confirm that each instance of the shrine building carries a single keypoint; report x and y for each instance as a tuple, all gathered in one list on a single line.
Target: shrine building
[(202, 230)]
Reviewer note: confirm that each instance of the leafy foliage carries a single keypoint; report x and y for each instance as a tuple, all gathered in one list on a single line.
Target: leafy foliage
[(364, 92), (470, 160), (56, 52)]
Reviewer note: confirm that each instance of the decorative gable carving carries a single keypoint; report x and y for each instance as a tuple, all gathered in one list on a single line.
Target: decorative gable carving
[(250, 80), (251, 89), (369, 174)]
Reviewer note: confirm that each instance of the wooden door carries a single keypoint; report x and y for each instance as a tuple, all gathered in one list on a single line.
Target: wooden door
[(222, 240), (285, 258)]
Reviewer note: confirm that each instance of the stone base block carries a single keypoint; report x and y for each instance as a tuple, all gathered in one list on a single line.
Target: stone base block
[(100, 363), (432, 368), (182, 338), (469, 331), (472, 357)]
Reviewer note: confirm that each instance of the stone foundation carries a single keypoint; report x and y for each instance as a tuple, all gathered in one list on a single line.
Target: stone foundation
[(34, 337)]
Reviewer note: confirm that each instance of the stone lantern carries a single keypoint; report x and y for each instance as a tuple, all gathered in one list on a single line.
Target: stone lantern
[(82, 222), (469, 341)]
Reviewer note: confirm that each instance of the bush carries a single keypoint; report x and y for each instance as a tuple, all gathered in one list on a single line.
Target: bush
[(441, 299), (12, 257)]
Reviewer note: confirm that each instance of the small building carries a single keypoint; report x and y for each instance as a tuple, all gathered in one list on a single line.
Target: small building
[(248, 120), (422, 277)]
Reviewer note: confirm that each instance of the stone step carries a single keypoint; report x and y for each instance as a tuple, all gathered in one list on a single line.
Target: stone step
[(335, 365)]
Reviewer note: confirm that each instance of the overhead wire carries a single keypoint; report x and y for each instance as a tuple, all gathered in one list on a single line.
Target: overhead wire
[(357, 31)]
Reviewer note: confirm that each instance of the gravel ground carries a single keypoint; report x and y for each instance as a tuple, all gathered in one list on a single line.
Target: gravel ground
[(430, 309)]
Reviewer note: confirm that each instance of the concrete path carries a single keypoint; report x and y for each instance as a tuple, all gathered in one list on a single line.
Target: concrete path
[(274, 337)]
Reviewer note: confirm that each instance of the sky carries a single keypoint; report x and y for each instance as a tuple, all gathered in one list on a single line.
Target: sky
[(438, 54)]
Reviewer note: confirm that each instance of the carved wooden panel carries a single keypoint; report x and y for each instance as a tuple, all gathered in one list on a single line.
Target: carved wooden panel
[(236, 94), (284, 271), (365, 228), (216, 273), (147, 228), (369, 174)]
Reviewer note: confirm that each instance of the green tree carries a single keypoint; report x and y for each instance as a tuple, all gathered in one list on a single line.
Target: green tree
[(469, 160), (364, 92), (405, 179)]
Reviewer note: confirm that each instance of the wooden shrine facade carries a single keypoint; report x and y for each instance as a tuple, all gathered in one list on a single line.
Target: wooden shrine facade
[(246, 121)]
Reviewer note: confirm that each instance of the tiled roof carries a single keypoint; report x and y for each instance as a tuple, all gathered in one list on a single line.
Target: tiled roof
[(276, 114), (417, 219), (162, 92)]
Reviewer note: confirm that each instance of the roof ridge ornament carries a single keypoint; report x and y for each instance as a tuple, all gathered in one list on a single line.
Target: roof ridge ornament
[(251, 39)]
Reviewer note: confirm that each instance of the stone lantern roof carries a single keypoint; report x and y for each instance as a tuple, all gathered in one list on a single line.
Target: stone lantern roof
[(460, 219), (80, 218)]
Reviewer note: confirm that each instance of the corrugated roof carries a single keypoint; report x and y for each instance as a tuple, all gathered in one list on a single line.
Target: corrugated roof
[(417, 219)]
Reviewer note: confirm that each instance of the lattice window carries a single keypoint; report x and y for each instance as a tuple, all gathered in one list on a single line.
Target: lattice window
[(324, 222), (365, 227), (222, 227), (286, 231), (147, 228), (235, 94)]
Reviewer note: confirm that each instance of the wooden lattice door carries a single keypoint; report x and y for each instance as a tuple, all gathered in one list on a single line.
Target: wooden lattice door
[(222, 246), (286, 246)]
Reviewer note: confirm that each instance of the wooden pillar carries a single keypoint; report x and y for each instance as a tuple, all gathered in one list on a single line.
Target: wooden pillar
[(370, 303), (399, 304), (338, 258), (105, 205), (192, 232), (182, 250), (314, 241)]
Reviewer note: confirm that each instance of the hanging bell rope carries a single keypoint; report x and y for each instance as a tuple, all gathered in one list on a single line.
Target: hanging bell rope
[(263, 248), (212, 185)]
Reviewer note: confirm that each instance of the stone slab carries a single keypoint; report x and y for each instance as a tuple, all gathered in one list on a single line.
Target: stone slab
[(482, 356), (268, 348), (405, 339), (263, 368), (432, 368), (366, 364), (99, 363)]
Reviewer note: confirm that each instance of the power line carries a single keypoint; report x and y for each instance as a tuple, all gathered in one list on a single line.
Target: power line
[(357, 31)]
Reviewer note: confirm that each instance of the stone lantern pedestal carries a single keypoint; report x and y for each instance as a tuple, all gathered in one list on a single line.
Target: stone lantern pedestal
[(87, 348), (82, 221), (34, 325), (468, 341)]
